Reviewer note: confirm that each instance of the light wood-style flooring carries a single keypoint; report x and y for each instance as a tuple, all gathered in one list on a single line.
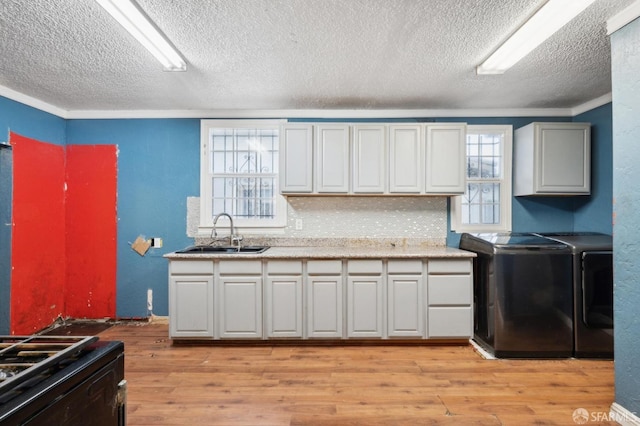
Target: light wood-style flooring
[(349, 385)]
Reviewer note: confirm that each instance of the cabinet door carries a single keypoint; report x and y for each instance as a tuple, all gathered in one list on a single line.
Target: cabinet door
[(332, 158), (563, 154), (405, 159), (450, 322), (240, 307), (364, 306), (445, 159), (191, 306), (296, 158), (284, 306), (405, 311), (324, 306), (369, 158)]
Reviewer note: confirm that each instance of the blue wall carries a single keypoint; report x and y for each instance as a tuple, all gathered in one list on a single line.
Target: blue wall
[(32, 123), (625, 65), (594, 213), (158, 168)]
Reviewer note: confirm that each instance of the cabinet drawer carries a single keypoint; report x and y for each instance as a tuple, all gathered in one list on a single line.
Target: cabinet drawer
[(446, 266), (405, 266), (191, 267), (324, 267), (449, 290), (450, 322), (240, 267), (284, 267), (364, 267)]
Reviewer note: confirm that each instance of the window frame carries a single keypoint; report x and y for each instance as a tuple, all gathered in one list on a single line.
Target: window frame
[(506, 189), (257, 226)]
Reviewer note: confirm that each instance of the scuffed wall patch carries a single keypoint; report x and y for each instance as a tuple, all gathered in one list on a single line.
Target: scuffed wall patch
[(193, 216)]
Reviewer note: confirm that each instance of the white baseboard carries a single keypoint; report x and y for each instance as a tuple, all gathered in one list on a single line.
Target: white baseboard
[(156, 319), (623, 416)]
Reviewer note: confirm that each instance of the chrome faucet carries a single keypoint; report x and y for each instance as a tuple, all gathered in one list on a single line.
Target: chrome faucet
[(233, 238)]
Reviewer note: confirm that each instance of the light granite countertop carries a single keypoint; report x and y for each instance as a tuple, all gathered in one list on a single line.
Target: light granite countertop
[(338, 252)]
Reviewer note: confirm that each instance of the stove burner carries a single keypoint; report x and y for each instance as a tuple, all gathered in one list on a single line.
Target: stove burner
[(23, 357)]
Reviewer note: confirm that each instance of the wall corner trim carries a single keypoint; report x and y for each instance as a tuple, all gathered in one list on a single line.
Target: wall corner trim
[(627, 15)]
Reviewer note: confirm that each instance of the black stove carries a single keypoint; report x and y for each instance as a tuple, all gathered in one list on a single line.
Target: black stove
[(61, 380)]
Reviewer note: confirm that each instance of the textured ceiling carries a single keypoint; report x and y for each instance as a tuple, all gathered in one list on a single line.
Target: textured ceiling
[(300, 54)]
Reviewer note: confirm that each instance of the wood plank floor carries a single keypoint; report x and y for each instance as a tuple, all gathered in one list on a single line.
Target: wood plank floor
[(349, 385)]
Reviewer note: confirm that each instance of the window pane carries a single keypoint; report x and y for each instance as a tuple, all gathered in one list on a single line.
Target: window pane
[(473, 169), (243, 167), (481, 204), (484, 156)]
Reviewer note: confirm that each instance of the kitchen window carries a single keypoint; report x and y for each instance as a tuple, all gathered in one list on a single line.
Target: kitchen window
[(486, 203), (239, 174)]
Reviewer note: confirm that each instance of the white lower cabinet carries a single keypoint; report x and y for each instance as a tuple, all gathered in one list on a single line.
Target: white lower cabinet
[(324, 299), (283, 299), (307, 298), (191, 299), (405, 301), (239, 306), (450, 299), (364, 299)]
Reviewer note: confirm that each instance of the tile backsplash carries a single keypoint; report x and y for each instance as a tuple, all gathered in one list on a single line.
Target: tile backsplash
[(417, 219)]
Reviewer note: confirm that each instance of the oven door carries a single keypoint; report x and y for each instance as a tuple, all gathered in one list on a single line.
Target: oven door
[(597, 289)]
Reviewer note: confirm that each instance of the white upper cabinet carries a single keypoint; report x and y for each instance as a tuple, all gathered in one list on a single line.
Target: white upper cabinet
[(296, 158), (445, 158), (552, 159), (332, 158), (369, 158), (405, 158), (383, 158)]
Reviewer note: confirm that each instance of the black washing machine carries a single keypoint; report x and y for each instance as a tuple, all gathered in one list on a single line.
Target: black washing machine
[(522, 295), (592, 281)]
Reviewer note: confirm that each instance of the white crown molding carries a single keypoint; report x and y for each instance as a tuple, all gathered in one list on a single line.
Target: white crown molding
[(322, 113), (32, 102), (592, 104), (625, 16), (303, 113)]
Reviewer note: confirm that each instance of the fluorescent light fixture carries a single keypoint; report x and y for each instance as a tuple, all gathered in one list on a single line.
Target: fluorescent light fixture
[(552, 16), (134, 20)]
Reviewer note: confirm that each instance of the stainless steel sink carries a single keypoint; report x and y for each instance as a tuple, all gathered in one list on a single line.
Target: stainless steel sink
[(222, 249)]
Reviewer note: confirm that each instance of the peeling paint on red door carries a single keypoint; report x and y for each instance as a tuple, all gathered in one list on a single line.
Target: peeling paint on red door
[(90, 290), (38, 235)]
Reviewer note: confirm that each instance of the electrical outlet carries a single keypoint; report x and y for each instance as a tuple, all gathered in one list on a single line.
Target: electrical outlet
[(298, 224)]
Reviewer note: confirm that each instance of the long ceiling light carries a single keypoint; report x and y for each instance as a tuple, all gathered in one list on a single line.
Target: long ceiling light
[(552, 16), (134, 20)]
